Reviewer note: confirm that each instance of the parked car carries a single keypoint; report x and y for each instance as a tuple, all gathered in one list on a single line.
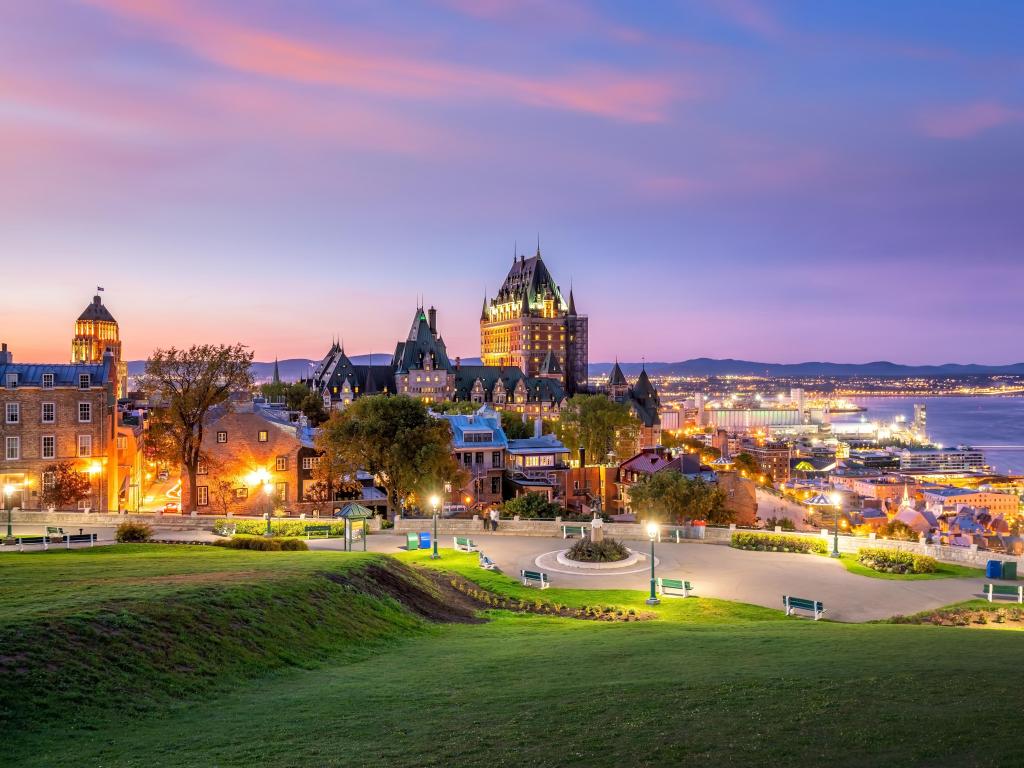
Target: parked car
[(163, 475), (171, 508)]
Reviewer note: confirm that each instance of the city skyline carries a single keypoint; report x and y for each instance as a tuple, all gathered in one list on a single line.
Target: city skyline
[(717, 179)]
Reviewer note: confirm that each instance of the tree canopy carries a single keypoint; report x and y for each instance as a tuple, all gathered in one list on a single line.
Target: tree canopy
[(744, 462), (671, 497), (598, 425), (68, 486), (532, 506)]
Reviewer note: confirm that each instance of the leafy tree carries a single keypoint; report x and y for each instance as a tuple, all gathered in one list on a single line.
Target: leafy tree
[(671, 496), (744, 462), (222, 495), (313, 409), (463, 407), (898, 530), (532, 506), (69, 486), (188, 383), (598, 425), (393, 438), (514, 426)]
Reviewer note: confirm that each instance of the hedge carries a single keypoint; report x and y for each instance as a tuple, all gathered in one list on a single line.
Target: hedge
[(895, 561), (278, 527), (777, 542), (263, 543)]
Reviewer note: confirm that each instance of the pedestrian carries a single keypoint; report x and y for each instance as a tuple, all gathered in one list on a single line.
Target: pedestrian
[(494, 519), (486, 519)]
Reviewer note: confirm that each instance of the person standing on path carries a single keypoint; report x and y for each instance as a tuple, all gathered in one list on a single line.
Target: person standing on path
[(494, 519), (485, 518)]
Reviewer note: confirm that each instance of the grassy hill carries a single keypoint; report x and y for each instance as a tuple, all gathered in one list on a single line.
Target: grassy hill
[(176, 656)]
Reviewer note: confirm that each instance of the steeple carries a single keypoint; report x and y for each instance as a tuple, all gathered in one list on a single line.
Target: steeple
[(538, 245), (572, 302), (616, 378), (277, 372), (483, 312), (525, 308)]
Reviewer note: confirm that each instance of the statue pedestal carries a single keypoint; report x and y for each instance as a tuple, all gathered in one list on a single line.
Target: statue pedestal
[(597, 529)]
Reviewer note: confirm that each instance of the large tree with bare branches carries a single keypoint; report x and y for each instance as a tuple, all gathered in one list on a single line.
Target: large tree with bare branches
[(185, 384)]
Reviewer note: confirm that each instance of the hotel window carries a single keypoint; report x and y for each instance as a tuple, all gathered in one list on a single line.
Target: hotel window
[(47, 381), (222, 437), (202, 495), (85, 412), (13, 448), (84, 381), (49, 413), (84, 446), (12, 380), (261, 436), (49, 447), (13, 413), (282, 464)]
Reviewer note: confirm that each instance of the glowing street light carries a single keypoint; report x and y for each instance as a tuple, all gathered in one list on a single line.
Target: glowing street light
[(267, 490), (836, 500), (652, 533), (435, 502), (9, 489)]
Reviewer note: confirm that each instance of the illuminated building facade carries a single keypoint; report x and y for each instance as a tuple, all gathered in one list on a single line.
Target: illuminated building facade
[(96, 332)]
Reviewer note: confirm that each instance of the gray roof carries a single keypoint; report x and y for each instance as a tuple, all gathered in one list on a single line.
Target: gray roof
[(420, 346), (550, 365), (617, 378), (528, 281), (96, 311)]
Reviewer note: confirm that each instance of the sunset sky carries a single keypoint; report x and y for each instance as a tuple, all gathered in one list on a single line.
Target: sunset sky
[(726, 178)]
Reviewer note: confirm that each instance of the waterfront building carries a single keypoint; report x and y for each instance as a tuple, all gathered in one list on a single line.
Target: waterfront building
[(528, 319), (96, 333), (941, 460)]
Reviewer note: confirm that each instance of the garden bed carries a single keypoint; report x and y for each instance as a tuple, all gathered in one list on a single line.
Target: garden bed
[(777, 542)]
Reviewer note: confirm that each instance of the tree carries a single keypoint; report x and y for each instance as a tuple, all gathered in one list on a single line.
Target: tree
[(313, 409), (68, 488), (744, 462), (514, 426), (464, 407), (598, 425), (532, 506), (395, 439), (293, 395), (187, 384), (670, 496)]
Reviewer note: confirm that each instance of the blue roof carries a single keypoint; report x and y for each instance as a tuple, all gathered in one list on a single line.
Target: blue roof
[(542, 444), (484, 420), (64, 375)]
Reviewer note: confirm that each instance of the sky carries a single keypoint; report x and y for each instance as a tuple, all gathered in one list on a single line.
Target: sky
[(775, 181)]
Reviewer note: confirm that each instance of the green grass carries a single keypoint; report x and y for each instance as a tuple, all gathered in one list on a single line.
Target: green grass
[(707, 683), (945, 571)]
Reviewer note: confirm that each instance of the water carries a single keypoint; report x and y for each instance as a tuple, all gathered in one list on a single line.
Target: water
[(952, 421)]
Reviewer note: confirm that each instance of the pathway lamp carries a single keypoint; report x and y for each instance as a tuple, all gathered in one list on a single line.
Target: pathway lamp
[(652, 534), (837, 500), (267, 490), (435, 502), (8, 493)]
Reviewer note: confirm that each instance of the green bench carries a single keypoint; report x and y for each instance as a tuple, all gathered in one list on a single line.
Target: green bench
[(535, 578), (464, 544), (674, 587), (318, 531), (1005, 590), (568, 531), (803, 604)]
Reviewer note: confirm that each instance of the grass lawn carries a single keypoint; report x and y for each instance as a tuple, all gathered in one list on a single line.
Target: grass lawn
[(707, 683), (945, 571)]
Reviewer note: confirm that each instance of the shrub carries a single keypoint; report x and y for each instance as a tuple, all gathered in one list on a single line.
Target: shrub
[(782, 522), (133, 532), (263, 544), (279, 527), (895, 561), (606, 551), (774, 542)]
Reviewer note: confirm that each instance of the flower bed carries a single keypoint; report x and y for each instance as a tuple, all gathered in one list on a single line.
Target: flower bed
[(895, 561), (606, 551), (776, 542)]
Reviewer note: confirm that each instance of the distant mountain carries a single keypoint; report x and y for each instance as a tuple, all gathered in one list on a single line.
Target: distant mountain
[(705, 366), (296, 368)]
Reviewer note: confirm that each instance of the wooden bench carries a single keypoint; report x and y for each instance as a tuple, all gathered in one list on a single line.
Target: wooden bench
[(80, 538), (1005, 590), (486, 563), (674, 587), (464, 544), (568, 531), (318, 531), (803, 604), (538, 578)]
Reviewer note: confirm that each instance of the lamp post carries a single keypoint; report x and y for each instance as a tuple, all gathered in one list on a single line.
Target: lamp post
[(652, 533), (8, 492), (435, 502), (268, 489), (836, 500)]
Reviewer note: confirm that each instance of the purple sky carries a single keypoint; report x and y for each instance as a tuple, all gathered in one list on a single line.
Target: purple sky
[(726, 178)]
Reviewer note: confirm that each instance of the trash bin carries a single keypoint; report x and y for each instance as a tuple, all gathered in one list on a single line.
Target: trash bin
[(994, 569), (425, 542), (1009, 570)]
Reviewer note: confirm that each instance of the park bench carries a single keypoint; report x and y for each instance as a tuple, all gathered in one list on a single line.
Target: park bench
[(55, 532), (674, 587), (31, 540), (803, 604), (535, 577), (318, 531), (568, 531), (1005, 590), (80, 538), (486, 563), (464, 544)]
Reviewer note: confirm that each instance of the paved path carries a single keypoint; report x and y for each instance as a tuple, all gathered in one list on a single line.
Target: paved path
[(770, 505)]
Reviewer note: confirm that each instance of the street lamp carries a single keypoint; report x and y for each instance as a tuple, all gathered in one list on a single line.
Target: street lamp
[(435, 502), (8, 492), (836, 500), (652, 533), (268, 489)]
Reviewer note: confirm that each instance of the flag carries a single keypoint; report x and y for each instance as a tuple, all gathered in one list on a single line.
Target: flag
[(99, 288)]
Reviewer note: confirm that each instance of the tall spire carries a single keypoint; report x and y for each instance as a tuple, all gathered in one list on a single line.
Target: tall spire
[(538, 245), (515, 251), (277, 372), (483, 312), (572, 301)]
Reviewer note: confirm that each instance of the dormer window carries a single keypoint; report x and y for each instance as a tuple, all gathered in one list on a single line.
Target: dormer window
[(47, 381), (84, 381), (11, 381)]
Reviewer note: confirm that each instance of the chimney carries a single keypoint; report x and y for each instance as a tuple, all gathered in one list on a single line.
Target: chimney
[(458, 362), (538, 427), (583, 457), (5, 357), (432, 320)]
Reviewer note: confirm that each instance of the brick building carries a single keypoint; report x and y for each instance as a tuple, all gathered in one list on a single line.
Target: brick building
[(96, 333)]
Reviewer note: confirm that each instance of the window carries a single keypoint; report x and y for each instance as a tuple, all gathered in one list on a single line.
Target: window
[(49, 413), (495, 459), (282, 491), (49, 447), (262, 436), (202, 468), (84, 381), (11, 380), (122, 443), (49, 480), (84, 412), (467, 459), (13, 448), (13, 413), (495, 485), (47, 381), (241, 493), (84, 445), (202, 495), (222, 437), (479, 457), (310, 462), (84, 504), (282, 464)]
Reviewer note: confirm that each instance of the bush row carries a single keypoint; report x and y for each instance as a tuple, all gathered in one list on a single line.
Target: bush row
[(894, 561), (263, 543), (777, 542), (279, 527)]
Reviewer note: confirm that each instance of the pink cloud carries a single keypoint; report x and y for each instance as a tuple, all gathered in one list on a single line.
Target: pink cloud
[(240, 47), (750, 15), (965, 122)]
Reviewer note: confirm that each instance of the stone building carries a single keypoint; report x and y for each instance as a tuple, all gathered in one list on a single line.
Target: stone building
[(96, 333), (528, 319)]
